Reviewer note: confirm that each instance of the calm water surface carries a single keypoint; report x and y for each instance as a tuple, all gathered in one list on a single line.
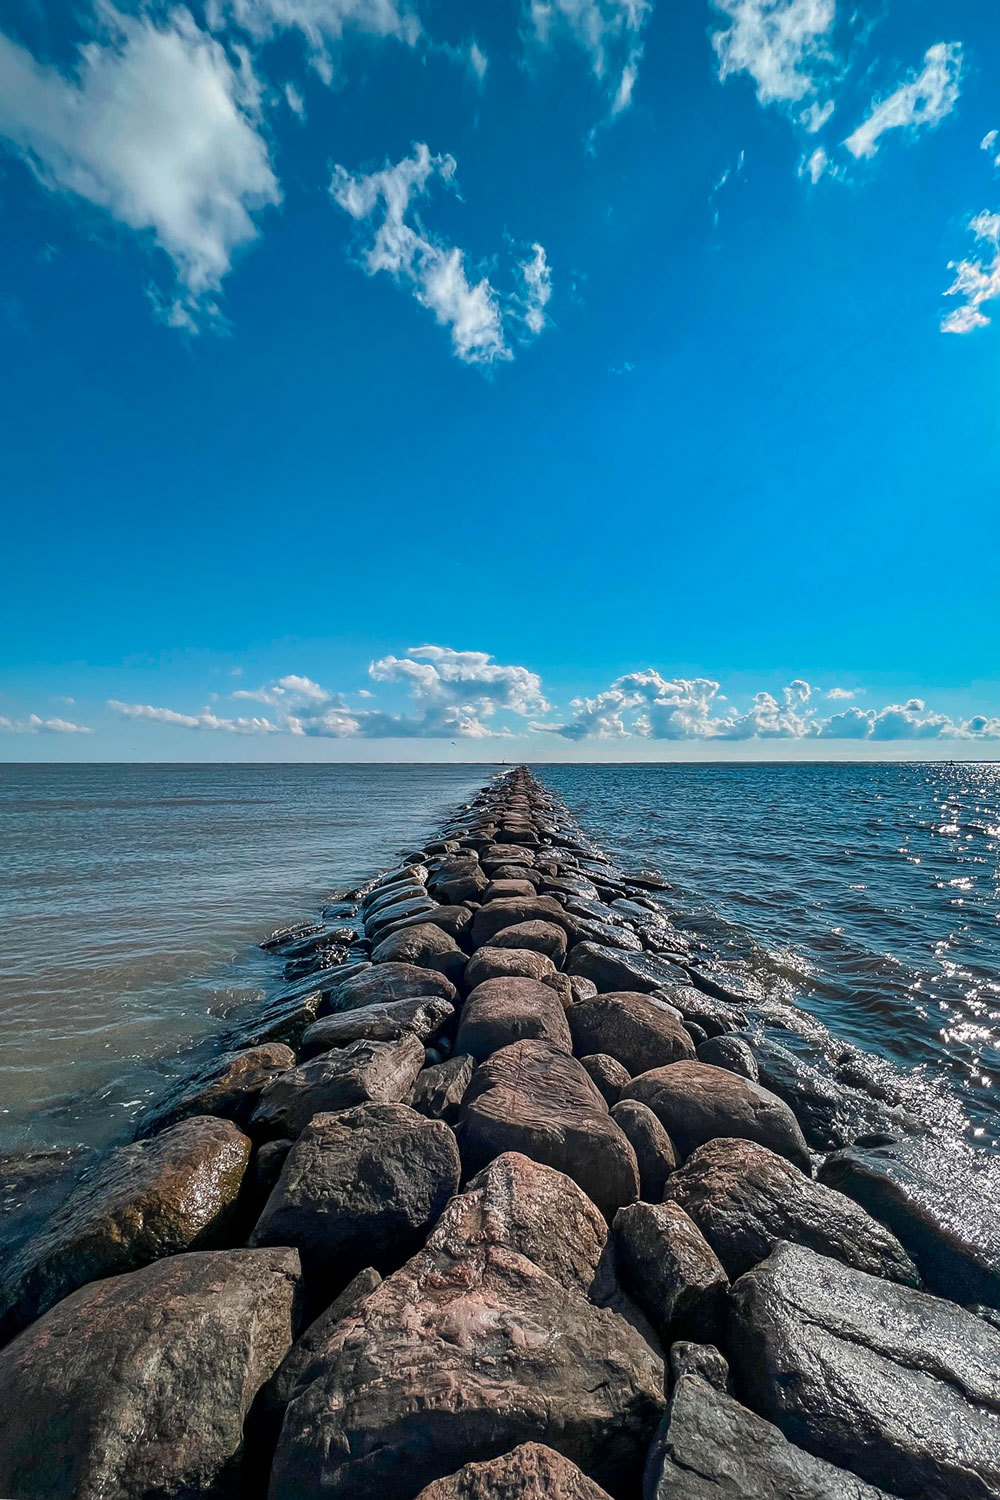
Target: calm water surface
[(859, 904)]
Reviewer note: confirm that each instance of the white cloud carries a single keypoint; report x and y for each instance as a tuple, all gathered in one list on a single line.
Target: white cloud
[(478, 61), (839, 692), (926, 98), (784, 47), (475, 312), (159, 127), (205, 720), (35, 724), (323, 22), (609, 31), (976, 281), (989, 140), (815, 165)]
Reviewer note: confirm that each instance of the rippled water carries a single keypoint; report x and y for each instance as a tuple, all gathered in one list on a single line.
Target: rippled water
[(860, 902), (131, 900)]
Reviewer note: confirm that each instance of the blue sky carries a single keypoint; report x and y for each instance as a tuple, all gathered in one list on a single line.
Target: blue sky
[(583, 379)]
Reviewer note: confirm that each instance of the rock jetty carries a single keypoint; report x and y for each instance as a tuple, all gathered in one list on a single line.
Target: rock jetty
[(505, 1198)]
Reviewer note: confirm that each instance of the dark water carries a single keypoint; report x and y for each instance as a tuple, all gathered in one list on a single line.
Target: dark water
[(858, 902), (131, 900)]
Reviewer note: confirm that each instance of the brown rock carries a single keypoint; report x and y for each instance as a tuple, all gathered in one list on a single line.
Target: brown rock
[(509, 912), (388, 982), (641, 1032), (542, 937), (501, 1011), (229, 1086), (439, 1090), (507, 963), (529, 1472), (654, 1150), (608, 1073), (363, 1073), (425, 945), (424, 1016), (695, 1102), (500, 889)]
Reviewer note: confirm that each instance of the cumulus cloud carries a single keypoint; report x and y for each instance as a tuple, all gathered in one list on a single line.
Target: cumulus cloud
[(926, 99), (839, 692), (609, 31), (783, 46), (977, 281), (159, 127), (35, 724), (323, 22), (475, 313), (453, 695)]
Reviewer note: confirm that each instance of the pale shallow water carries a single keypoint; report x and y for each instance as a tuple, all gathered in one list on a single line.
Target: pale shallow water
[(858, 904)]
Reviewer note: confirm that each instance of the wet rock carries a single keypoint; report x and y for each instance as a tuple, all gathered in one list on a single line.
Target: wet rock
[(695, 1103), (440, 1089), (176, 1191), (531, 1098), (703, 1360), (229, 1086), (359, 1189), (507, 963), (712, 1448), (362, 1073), (530, 1472), (746, 1200), (474, 1347), (634, 1028), (608, 1074), (378, 922), (654, 1150), (424, 1016), (262, 1175), (714, 1016), (426, 946), (697, 1034), (615, 969), (940, 1202), (454, 920), (458, 880), (831, 1115), (492, 918), (388, 982), (501, 1011), (542, 937), (671, 1271), (292, 934), (730, 1052), (154, 1377), (283, 1019), (901, 1387), (33, 1184)]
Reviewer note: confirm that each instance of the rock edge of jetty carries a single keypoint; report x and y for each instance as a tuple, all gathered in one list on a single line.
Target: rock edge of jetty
[(504, 1197)]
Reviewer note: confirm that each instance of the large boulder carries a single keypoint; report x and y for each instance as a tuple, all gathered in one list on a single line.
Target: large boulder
[(139, 1385), (532, 1098), (381, 984), (511, 912), (440, 1089), (457, 880), (709, 1447), (176, 1191), (360, 1189), (499, 889), (304, 1360), (695, 1102), (641, 1032), (671, 1271), (483, 1341), (654, 1150), (530, 1472), (730, 1052), (454, 920), (501, 1011), (746, 1199), (425, 945), (379, 921), (228, 1086), (507, 963), (831, 1114), (618, 969), (286, 1017), (941, 1202), (423, 1016), (608, 1074), (542, 937), (361, 1073), (901, 1387)]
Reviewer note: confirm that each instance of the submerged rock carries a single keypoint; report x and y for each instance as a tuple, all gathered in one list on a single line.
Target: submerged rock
[(139, 1385), (176, 1191), (901, 1387), (696, 1102)]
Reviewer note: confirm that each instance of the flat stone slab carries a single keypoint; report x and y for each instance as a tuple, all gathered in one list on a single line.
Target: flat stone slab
[(139, 1385), (423, 1016), (900, 1387), (380, 984), (175, 1191)]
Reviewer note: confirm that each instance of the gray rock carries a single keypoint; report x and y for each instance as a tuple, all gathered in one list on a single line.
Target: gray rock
[(440, 1089), (284, 1018), (940, 1201), (228, 1086), (387, 982), (504, 889), (507, 963), (362, 1073), (671, 1271), (711, 1448), (458, 880), (703, 1360), (304, 1361), (654, 1150), (425, 945), (639, 1031), (615, 969), (901, 1387), (176, 1191), (730, 1052), (715, 1017), (745, 1200), (831, 1114), (542, 937), (154, 1377), (454, 920), (360, 1189), (695, 1103), (501, 1011), (423, 1016)]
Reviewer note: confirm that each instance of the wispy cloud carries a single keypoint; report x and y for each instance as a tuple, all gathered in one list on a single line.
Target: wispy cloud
[(35, 724), (784, 46), (926, 99), (476, 314), (609, 31), (323, 23), (977, 280), (158, 126), (204, 720)]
